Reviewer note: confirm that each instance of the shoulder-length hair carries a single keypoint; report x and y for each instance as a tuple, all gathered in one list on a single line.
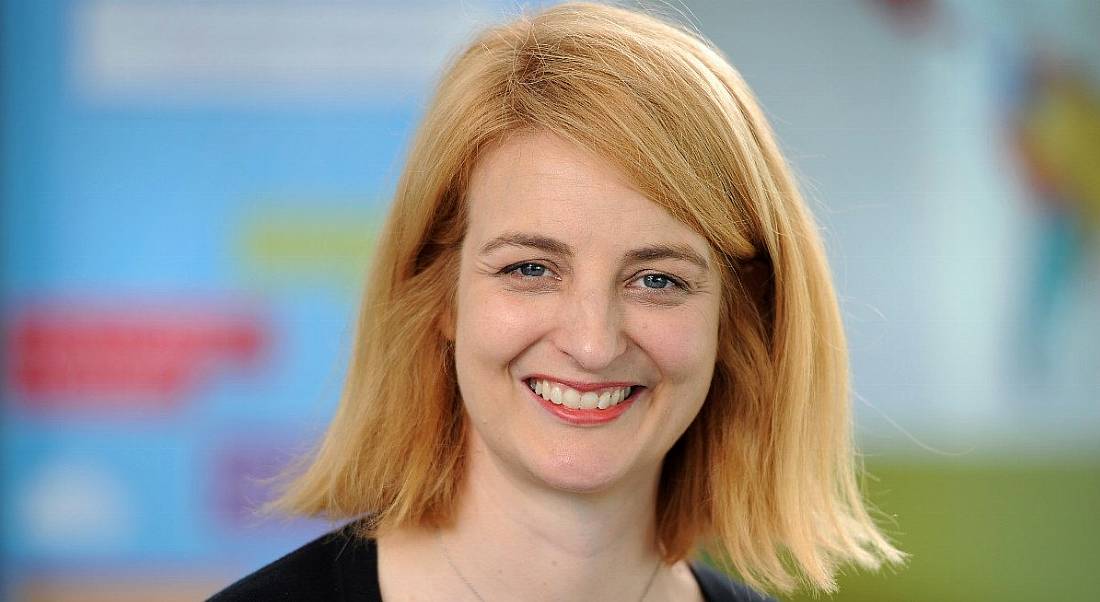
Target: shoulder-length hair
[(765, 477)]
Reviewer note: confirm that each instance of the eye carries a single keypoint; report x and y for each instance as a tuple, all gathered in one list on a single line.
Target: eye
[(657, 281), (529, 276), (660, 282), (529, 270)]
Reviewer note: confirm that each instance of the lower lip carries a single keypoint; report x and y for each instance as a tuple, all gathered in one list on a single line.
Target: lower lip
[(583, 417)]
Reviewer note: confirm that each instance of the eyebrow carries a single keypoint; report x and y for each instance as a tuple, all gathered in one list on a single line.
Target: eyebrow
[(557, 247), (522, 239), (667, 251)]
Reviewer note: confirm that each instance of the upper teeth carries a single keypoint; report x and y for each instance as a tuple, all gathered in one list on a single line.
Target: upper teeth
[(571, 398)]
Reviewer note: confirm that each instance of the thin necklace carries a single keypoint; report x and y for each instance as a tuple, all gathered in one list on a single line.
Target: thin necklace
[(473, 590)]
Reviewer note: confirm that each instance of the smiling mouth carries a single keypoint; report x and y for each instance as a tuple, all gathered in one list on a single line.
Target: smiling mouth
[(563, 395)]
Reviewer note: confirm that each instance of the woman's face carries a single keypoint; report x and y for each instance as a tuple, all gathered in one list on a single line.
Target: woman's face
[(576, 285)]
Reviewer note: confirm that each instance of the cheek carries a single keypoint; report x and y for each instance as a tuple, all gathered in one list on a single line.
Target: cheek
[(683, 345), (494, 326)]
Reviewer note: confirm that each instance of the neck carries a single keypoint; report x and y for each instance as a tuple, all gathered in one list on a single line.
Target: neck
[(513, 538)]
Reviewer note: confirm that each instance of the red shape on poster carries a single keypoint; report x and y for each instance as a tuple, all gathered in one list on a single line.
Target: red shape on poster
[(76, 357)]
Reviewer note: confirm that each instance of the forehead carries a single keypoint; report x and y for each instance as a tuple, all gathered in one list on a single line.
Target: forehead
[(538, 181)]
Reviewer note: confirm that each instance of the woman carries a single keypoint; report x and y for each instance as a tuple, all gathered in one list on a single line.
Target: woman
[(599, 335)]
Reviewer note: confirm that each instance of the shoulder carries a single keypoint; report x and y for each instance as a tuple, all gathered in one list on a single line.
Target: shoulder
[(719, 587), (336, 566)]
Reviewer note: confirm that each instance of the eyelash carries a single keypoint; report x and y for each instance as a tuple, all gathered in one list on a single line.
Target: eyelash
[(676, 285)]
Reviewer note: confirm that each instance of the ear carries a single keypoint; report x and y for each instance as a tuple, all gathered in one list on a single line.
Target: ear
[(446, 322), (447, 318)]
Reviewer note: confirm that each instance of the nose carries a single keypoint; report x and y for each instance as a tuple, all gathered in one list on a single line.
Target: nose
[(590, 328)]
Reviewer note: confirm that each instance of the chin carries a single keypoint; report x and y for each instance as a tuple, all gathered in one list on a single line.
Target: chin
[(577, 473)]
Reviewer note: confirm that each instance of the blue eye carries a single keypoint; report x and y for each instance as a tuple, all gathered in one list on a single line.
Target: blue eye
[(531, 270), (528, 276), (657, 281)]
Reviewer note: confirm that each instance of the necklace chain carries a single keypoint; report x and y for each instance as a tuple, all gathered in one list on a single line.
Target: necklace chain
[(473, 590)]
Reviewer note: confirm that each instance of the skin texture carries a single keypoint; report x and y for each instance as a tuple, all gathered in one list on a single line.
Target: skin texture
[(592, 317), (552, 510)]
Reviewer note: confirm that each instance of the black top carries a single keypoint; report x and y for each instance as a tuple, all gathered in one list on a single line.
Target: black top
[(342, 567)]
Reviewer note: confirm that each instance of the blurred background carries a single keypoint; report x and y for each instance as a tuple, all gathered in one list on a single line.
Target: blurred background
[(190, 191)]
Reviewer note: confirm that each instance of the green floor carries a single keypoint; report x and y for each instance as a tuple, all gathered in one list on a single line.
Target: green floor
[(986, 531)]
